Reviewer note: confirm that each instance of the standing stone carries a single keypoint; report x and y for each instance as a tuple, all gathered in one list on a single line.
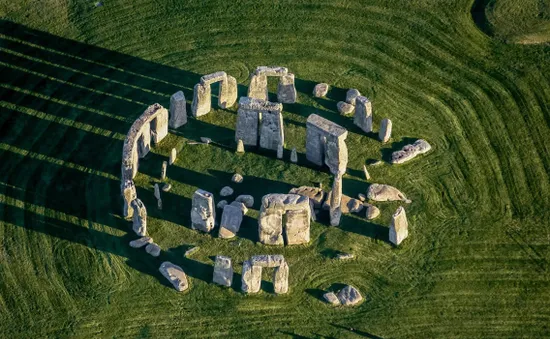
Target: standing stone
[(366, 172), (163, 170), (336, 155), (251, 278), (270, 222), (280, 279), (201, 100), (271, 127), (223, 271), (325, 143), (178, 111), (248, 117), (203, 214), (399, 227), (363, 114), (286, 91), (159, 204), (246, 199), (240, 146), (144, 140), (173, 155), (258, 87), (351, 95), (228, 92), (232, 218), (381, 192), (384, 134), (294, 156), (336, 200), (129, 194), (157, 191), (279, 151), (175, 275), (140, 218), (237, 178), (320, 90)]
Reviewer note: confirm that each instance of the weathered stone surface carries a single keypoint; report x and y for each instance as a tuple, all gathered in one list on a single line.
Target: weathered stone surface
[(325, 143), (206, 140), (384, 134), (380, 192), (344, 256), (399, 227), (240, 146), (267, 260), (222, 204), (209, 79), (280, 279), (349, 296), (409, 152), (366, 173), (258, 87), (201, 100), (351, 95), (166, 187), (203, 214), (372, 212), (271, 127), (175, 275), (320, 90), (363, 114), (139, 243), (159, 125), (163, 170), (153, 249), (246, 199), (294, 156), (271, 226), (129, 194), (228, 92), (361, 197), (226, 191), (223, 271), (315, 194), (271, 218), (178, 110), (140, 218), (272, 71), (336, 201), (251, 278), (237, 178), (241, 206), (331, 298), (232, 218), (344, 108), (286, 91), (347, 204), (280, 152), (156, 191), (336, 155), (173, 156), (297, 226), (248, 118), (144, 141)]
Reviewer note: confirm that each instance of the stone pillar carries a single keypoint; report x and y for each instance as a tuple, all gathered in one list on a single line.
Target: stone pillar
[(399, 227), (315, 146), (156, 191), (129, 194), (247, 122), (178, 110), (163, 170), (384, 134), (336, 155), (203, 211), (228, 92), (363, 114), (294, 156), (258, 87), (251, 278), (286, 91), (280, 279), (173, 156), (144, 140), (140, 218), (223, 271), (336, 200), (270, 225), (201, 100), (271, 129), (279, 151), (297, 226), (232, 217)]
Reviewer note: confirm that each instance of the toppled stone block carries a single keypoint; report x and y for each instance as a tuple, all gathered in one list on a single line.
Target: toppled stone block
[(248, 118), (166, 187), (175, 275), (315, 194), (366, 173), (372, 212), (258, 87), (246, 199), (361, 197), (232, 218), (363, 114), (178, 110), (237, 178), (129, 194), (280, 279), (223, 271), (286, 91), (384, 134), (190, 251), (320, 90), (203, 214), (205, 140), (139, 243), (140, 218), (226, 191), (344, 108), (331, 298), (267, 260), (251, 278), (351, 95), (349, 296), (201, 100), (380, 192), (408, 152), (347, 204), (153, 249), (399, 227), (228, 93)]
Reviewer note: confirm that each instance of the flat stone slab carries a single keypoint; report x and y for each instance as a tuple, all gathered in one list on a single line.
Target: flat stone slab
[(409, 152), (327, 126), (347, 204), (267, 260), (175, 275), (349, 296), (226, 191), (381, 192), (246, 199), (139, 243), (345, 256)]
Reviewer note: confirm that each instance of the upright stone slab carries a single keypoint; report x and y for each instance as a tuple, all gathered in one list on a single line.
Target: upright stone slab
[(203, 212), (175, 275), (258, 87), (271, 126), (297, 210), (325, 143), (251, 278), (286, 91), (320, 90), (294, 156), (173, 156), (297, 226), (399, 227), (248, 117), (157, 191), (384, 134), (363, 114), (228, 92), (240, 146), (232, 217), (270, 222), (144, 140), (201, 100), (129, 194), (178, 110), (223, 271), (280, 152), (280, 279), (163, 170), (140, 218), (159, 126), (336, 200)]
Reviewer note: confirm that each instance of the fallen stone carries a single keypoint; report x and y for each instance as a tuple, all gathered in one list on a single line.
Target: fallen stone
[(315, 194), (206, 140), (384, 134), (325, 143), (267, 260), (349, 296), (223, 271), (241, 206), (409, 152), (258, 87), (139, 218), (376, 163), (293, 156), (344, 256), (163, 170), (372, 212), (153, 249), (226, 191), (190, 251), (331, 298), (271, 125), (139, 243), (166, 187), (366, 173), (348, 204), (344, 108), (251, 277), (230, 224), (178, 110), (246, 199), (240, 146), (173, 156), (203, 214), (380, 192), (361, 196), (237, 178), (280, 279), (222, 204), (320, 90), (399, 227), (351, 95), (175, 275)]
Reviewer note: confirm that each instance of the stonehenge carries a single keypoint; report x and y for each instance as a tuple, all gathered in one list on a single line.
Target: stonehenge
[(230, 224), (380, 192), (260, 119), (399, 227), (178, 110), (286, 90), (384, 134), (223, 271), (297, 211), (408, 152), (251, 277), (227, 95), (175, 275), (325, 144), (140, 218), (203, 213), (363, 114)]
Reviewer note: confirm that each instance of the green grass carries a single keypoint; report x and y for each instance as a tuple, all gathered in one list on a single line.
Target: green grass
[(74, 78)]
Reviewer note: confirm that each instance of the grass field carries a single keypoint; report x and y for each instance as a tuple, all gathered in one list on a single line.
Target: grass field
[(74, 77)]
